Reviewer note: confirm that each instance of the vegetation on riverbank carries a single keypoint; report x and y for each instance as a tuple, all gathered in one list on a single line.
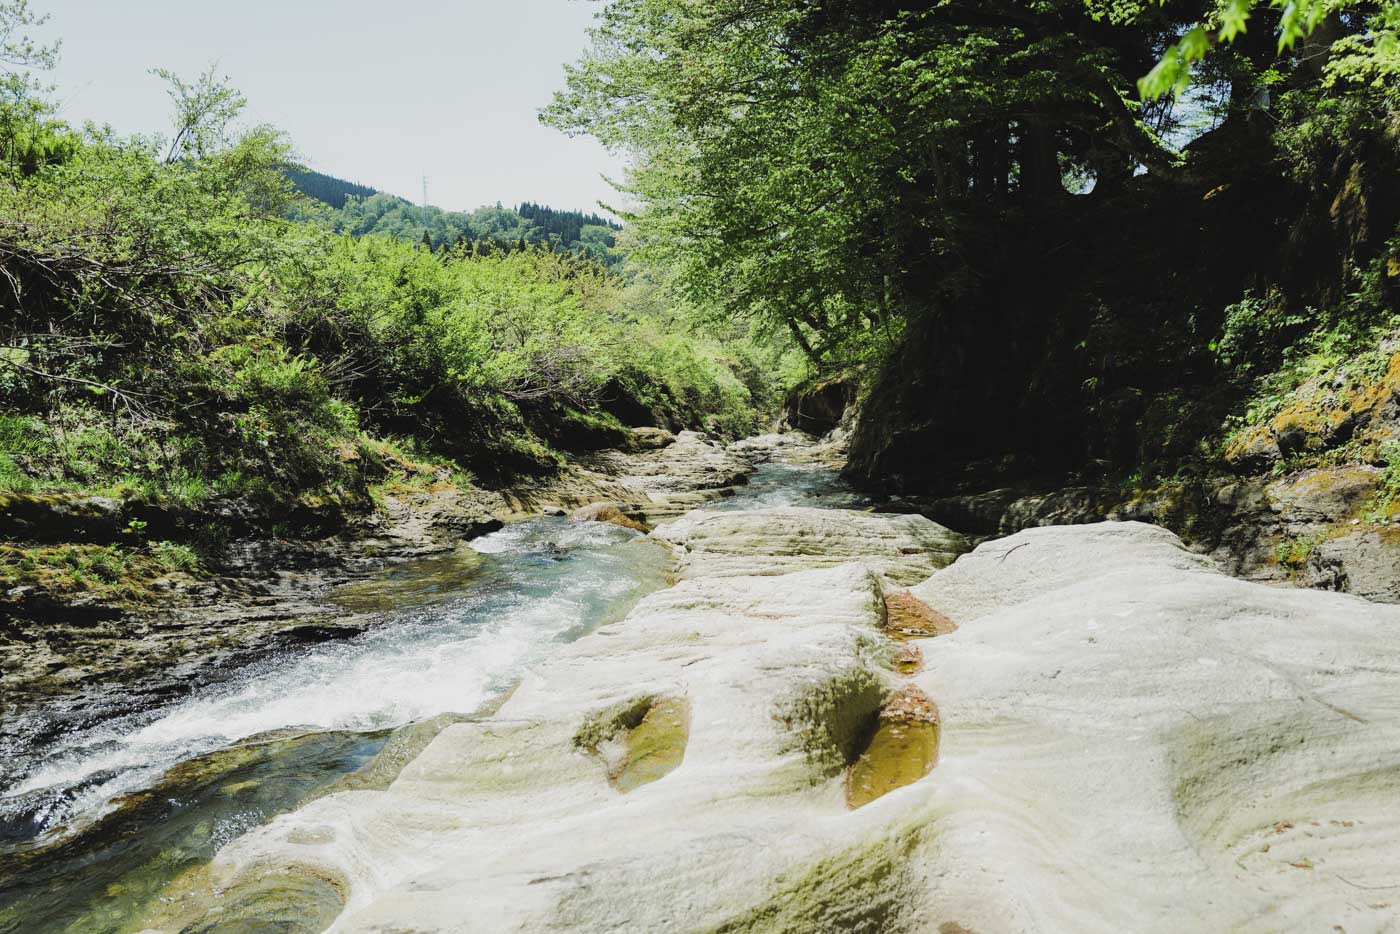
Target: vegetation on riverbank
[(893, 193), (112, 574), (1064, 242), (178, 328)]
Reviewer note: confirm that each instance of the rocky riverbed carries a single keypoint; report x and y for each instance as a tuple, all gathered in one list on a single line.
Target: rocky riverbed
[(845, 719), (279, 594), (830, 724)]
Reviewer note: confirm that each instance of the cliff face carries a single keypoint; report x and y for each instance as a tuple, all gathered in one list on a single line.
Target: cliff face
[(1179, 352), (1086, 328)]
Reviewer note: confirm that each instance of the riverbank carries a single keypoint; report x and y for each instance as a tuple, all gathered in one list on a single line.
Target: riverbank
[(1324, 515), (276, 594)]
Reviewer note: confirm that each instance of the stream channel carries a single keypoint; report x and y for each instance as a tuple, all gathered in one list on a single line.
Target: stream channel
[(98, 820)]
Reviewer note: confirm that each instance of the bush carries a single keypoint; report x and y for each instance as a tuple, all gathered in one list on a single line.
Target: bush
[(181, 339)]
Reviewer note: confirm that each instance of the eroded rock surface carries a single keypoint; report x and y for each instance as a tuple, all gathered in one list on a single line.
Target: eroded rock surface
[(690, 463), (906, 548), (1134, 741), (1126, 739)]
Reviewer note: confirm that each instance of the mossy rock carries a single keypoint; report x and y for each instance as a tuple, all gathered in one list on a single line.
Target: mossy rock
[(641, 740)]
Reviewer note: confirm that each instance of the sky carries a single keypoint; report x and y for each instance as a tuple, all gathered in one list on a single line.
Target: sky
[(377, 92)]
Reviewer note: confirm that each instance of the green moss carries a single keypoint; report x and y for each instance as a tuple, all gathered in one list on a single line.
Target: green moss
[(829, 721), (1294, 553), (866, 889), (604, 725), (656, 746), (115, 574), (641, 740), (1387, 503)]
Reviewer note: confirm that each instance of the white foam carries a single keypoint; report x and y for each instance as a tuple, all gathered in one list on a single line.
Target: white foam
[(448, 658)]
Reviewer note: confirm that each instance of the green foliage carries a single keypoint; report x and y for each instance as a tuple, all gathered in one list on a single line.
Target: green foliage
[(1368, 56), (1320, 131), (695, 382), (174, 557), (122, 574), (1254, 331), (1271, 351), (203, 111), (830, 173), (834, 172), (1387, 504), (1293, 553), (168, 331)]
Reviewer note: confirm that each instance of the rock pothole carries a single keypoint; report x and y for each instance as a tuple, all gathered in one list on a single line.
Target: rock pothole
[(907, 617), (907, 659), (901, 748), (639, 741), (828, 719)]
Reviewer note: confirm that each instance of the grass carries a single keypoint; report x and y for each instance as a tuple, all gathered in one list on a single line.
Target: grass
[(1387, 502), (118, 574), (1293, 553)]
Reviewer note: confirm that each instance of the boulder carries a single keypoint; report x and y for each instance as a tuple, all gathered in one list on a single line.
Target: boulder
[(608, 512), (819, 408), (650, 439), (1325, 496), (1365, 563)]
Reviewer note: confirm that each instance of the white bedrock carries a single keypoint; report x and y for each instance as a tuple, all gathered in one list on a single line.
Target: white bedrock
[(1131, 741)]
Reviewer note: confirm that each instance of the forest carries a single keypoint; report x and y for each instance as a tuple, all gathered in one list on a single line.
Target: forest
[(360, 211), (327, 189)]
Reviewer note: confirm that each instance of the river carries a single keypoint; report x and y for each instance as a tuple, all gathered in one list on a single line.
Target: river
[(98, 820)]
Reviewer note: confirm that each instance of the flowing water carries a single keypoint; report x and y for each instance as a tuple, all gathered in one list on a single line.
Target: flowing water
[(101, 818)]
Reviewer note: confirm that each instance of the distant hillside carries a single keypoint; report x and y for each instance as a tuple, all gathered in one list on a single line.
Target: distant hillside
[(360, 210), (325, 188), (569, 225)]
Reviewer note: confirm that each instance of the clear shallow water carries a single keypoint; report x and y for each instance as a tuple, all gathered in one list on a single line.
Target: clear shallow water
[(460, 629), (463, 638), (774, 485)]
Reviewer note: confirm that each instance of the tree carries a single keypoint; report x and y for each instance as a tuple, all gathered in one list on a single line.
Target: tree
[(825, 168), (205, 109), (27, 139), (1363, 44), (834, 170), (18, 50)]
